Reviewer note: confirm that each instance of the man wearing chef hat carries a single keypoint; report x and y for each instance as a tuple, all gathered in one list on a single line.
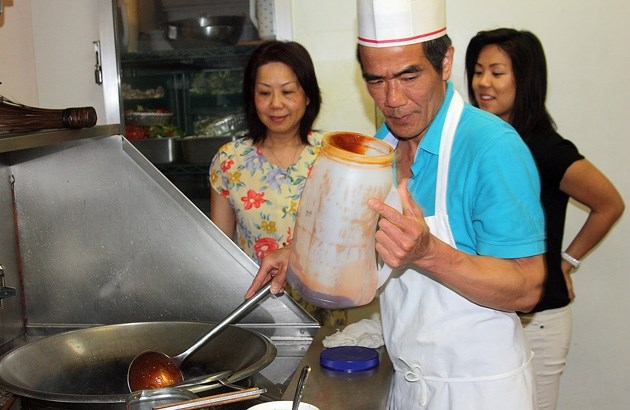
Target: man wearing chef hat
[(464, 253), (466, 249)]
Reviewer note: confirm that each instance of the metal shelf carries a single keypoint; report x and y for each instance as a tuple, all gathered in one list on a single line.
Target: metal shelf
[(19, 141), (181, 59)]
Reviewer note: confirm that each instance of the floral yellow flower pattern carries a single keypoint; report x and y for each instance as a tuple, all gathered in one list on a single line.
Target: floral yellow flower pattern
[(234, 177), (268, 226), (266, 198)]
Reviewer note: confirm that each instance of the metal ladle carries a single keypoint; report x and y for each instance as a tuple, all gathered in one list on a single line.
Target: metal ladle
[(151, 370)]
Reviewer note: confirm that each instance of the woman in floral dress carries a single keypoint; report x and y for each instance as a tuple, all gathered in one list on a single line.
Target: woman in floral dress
[(257, 180)]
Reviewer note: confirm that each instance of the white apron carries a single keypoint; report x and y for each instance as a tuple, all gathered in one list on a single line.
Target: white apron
[(449, 353)]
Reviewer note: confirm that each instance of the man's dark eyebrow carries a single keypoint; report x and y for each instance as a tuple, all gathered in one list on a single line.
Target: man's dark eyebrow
[(412, 69)]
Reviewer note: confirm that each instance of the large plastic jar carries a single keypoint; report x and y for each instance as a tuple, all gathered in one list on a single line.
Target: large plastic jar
[(333, 261)]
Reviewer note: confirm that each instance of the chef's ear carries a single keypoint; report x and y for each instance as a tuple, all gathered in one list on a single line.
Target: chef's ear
[(447, 63), (308, 101)]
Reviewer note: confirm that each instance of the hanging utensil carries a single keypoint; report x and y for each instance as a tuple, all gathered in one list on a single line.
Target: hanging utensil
[(299, 389), (150, 370), (16, 117)]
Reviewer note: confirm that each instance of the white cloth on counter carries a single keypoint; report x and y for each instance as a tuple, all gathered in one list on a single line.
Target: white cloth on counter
[(365, 332)]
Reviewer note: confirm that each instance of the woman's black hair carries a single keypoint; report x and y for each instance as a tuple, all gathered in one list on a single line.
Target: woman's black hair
[(298, 59), (529, 66)]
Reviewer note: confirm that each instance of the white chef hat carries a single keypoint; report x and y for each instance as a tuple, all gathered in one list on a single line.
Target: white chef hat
[(387, 23)]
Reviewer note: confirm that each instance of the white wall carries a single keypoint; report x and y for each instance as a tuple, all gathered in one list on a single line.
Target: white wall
[(40, 44), (589, 84), (327, 29), (17, 59), (63, 35)]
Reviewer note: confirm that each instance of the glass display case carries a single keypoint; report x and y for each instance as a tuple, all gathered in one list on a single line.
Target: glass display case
[(181, 72), (194, 85), (174, 103), (180, 65)]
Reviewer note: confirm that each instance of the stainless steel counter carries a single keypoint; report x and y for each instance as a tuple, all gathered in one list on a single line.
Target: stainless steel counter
[(331, 390)]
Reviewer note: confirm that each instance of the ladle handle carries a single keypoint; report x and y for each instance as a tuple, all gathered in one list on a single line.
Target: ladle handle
[(299, 389), (232, 317)]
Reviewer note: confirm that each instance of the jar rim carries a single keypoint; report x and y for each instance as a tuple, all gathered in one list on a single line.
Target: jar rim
[(358, 148)]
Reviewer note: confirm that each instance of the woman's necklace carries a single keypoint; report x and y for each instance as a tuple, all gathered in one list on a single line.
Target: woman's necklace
[(298, 149)]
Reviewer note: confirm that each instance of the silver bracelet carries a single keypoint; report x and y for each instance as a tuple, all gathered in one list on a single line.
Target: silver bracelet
[(571, 260)]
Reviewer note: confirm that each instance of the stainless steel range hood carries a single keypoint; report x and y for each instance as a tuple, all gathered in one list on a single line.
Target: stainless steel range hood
[(92, 233)]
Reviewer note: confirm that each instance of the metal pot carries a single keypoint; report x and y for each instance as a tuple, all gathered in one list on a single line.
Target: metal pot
[(166, 150), (205, 31), (87, 368)]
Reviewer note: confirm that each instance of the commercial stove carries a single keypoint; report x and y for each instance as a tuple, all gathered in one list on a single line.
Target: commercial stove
[(93, 234)]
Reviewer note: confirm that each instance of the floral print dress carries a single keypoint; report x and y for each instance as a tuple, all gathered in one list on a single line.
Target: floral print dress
[(265, 198)]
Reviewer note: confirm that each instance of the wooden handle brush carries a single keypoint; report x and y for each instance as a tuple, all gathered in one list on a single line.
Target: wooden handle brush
[(16, 117)]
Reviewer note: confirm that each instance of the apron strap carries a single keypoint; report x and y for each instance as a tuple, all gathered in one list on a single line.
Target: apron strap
[(451, 121), (448, 135)]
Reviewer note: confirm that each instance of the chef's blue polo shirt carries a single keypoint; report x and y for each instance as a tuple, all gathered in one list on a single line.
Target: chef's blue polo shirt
[(493, 193)]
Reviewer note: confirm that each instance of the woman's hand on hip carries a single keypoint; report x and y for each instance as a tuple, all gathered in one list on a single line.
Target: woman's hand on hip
[(566, 271)]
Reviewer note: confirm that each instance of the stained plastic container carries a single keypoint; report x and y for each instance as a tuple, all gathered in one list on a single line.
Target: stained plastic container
[(333, 261)]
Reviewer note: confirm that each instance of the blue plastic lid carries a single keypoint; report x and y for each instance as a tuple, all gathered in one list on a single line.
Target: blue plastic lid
[(349, 358)]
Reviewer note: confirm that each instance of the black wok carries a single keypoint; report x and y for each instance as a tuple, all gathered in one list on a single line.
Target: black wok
[(87, 368)]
